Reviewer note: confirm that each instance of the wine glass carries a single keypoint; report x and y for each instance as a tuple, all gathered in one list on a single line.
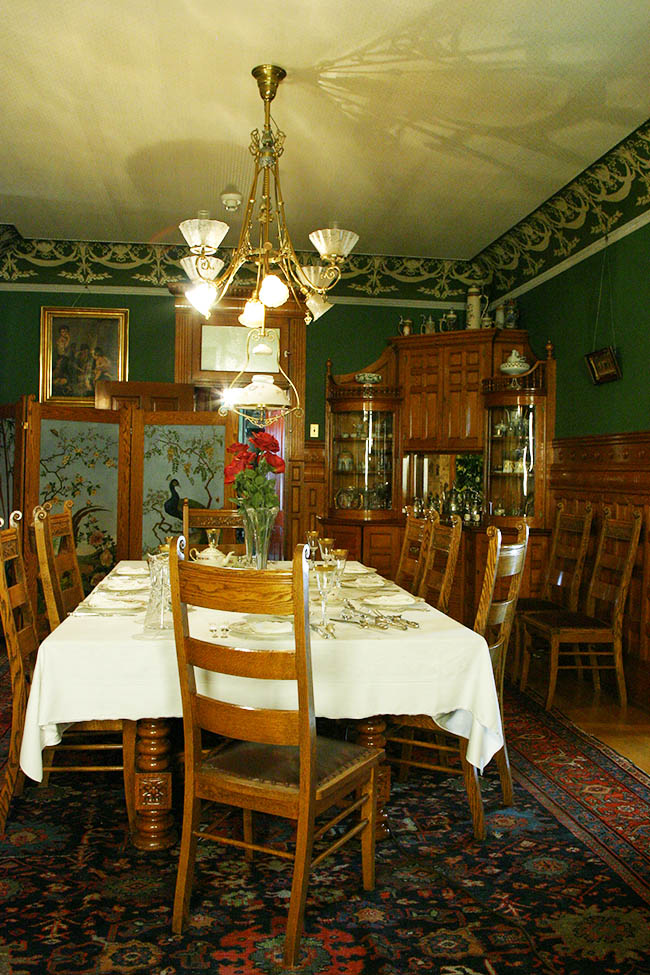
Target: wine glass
[(326, 545), (339, 558), (325, 576), (312, 541)]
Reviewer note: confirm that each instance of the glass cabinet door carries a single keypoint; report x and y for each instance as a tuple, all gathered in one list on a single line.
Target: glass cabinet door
[(362, 460), (510, 474)]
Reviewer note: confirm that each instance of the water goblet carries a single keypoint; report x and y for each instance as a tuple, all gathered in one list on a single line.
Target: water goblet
[(325, 576), (312, 541), (339, 558), (326, 545)]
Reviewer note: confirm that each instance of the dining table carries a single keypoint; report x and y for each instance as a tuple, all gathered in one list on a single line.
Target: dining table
[(102, 662)]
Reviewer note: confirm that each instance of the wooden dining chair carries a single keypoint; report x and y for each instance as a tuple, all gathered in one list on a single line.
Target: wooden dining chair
[(273, 762), (21, 641), (504, 566), (63, 591), (414, 545), (227, 522), (564, 570), (561, 632), (440, 559)]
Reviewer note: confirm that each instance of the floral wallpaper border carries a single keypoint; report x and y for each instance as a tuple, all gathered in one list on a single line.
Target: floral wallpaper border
[(608, 194)]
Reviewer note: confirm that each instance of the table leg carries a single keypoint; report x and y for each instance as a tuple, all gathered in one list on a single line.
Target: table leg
[(371, 733), (154, 823)]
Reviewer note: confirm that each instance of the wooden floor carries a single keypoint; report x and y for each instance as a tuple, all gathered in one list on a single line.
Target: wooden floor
[(600, 714)]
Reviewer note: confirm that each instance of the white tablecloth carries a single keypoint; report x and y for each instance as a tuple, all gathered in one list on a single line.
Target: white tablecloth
[(108, 667)]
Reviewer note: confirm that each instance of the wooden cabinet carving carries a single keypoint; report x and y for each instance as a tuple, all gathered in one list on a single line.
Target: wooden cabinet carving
[(441, 377)]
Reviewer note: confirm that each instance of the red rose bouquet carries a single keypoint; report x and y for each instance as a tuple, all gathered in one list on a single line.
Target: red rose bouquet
[(249, 469)]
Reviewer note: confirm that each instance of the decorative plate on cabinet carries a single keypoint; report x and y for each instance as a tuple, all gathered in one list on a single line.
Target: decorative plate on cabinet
[(368, 378)]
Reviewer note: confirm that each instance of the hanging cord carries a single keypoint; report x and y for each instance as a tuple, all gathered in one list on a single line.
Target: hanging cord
[(600, 295)]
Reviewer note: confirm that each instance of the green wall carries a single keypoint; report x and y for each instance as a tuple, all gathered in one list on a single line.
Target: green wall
[(352, 336), (564, 309), (151, 335)]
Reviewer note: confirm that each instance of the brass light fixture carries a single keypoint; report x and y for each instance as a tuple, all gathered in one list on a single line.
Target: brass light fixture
[(264, 241), (279, 272)]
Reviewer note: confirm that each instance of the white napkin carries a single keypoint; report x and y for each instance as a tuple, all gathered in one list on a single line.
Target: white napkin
[(393, 599), (122, 584), (105, 600), (365, 582), (131, 570)]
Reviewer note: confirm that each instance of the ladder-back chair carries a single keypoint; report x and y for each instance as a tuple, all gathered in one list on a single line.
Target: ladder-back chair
[(600, 623), (63, 591), (226, 522), (21, 640), (412, 553), (440, 560), (58, 565), (564, 570), (504, 566), (273, 761)]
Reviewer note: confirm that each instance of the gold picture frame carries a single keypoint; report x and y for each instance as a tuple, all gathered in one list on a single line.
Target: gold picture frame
[(603, 365), (78, 347)]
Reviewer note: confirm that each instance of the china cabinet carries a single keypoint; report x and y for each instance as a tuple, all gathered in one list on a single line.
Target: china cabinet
[(518, 428), (361, 444)]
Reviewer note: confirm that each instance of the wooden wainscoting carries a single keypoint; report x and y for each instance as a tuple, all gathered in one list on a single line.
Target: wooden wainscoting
[(614, 471), (305, 484)]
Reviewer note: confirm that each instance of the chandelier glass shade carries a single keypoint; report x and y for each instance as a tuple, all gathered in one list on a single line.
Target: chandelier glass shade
[(264, 240)]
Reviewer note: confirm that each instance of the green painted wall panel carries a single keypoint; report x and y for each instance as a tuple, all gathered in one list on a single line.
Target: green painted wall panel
[(352, 336), (151, 335), (564, 310)]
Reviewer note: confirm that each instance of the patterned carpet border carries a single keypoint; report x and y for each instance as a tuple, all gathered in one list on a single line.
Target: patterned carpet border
[(599, 795)]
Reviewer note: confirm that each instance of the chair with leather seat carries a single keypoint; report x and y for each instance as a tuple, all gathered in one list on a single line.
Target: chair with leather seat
[(272, 761), (441, 556), (564, 571), (63, 591), (504, 567), (226, 522), (560, 633), (412, 552)]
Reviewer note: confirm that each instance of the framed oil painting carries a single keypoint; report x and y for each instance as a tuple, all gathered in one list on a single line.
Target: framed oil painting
[(603, 365), (78, 347)]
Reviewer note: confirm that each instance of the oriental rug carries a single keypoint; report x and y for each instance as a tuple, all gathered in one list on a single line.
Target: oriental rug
[(561, 885)]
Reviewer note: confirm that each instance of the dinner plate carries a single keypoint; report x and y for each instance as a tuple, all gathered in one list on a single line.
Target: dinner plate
[(131, 570), (358, 570), (125, 585), (365, 582), (397, 600), (262, 629)]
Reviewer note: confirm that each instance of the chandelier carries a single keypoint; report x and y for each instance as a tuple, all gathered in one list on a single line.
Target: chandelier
[(264, 242)]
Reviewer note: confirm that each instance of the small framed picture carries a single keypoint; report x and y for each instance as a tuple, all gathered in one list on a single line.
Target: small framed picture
[(603, 365), (78, 347)]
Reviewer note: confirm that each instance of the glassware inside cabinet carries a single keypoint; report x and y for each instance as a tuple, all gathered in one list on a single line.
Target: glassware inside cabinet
[(510, 474), (362, 458)]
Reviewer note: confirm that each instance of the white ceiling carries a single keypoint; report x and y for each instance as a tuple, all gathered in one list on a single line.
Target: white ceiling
[(428, 127)]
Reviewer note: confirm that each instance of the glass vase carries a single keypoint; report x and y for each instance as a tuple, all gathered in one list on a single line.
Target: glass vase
[(258, 525), (159, 610)]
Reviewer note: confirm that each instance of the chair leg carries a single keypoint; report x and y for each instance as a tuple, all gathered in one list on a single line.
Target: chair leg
[(369, 813), (128, 770), (248, 832), (185, 874), (620, 673), (505, 775), (516, 659), (473, 789), (526, 641), (48, 762), (301, 865), (593, 662), (406, 755), (552, 679)]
